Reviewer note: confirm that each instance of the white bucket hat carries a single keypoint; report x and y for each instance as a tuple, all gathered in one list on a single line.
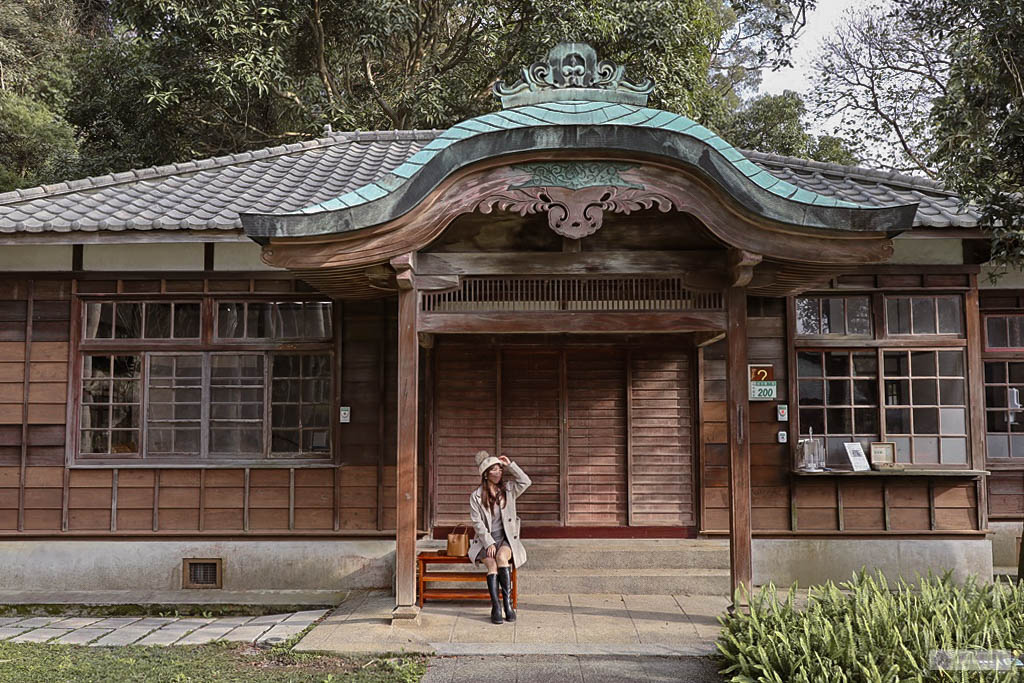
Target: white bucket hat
[(484, 460)]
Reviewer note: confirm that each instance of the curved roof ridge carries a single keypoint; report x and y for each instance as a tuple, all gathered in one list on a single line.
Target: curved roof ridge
[(207, 163), (857, 172)]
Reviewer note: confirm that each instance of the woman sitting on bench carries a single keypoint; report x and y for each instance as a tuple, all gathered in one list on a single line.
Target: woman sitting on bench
[(492, 507)]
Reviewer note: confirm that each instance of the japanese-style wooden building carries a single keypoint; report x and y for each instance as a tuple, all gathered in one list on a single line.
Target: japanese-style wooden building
[(283, 361)]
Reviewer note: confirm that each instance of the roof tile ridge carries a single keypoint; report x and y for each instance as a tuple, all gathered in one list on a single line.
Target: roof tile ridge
[(860, 172)]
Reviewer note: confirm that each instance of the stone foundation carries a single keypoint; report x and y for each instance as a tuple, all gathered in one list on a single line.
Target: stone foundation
[(812, 561), (292, 572)]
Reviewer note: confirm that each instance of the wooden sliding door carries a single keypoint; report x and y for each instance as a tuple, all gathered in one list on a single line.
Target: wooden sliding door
[(602, 430)]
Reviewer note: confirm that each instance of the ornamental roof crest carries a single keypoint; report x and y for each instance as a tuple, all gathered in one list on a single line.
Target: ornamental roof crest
[(573, 72)]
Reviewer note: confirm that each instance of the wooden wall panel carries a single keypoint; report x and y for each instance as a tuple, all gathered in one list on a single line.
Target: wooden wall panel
[(816, 505), (662, 442)]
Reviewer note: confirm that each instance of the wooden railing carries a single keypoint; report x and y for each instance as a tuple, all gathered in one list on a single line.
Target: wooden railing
[(559, 293)]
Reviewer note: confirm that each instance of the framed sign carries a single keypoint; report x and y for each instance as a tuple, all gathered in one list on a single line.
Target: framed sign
[(761, 379), (883, 452), (857, 458)]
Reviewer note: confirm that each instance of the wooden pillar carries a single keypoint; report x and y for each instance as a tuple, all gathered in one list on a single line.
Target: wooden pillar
[(739, 441), (408, 396)]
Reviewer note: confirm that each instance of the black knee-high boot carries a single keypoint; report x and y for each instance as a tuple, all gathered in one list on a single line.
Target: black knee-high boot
[(505, 582), (492, 588)]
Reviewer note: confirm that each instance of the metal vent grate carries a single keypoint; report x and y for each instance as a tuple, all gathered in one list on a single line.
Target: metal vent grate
[(202, 573), (571, 294)]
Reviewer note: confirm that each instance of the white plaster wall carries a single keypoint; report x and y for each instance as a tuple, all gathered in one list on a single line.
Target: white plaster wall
[(282, 571), (813, 561), (238, 256), (1014, 279), (927, 251), (22, 257), (1004, 542), (155, 257)]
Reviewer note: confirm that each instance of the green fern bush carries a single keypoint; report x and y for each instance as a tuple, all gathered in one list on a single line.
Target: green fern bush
[(866, 631)]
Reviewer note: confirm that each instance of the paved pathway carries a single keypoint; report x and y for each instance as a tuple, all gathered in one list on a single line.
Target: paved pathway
[(571, 669), (554, 624), (114, 631)]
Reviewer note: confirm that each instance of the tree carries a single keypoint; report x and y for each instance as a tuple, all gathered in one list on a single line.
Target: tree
[(876, 78), (979, 118), (36, 143), (219, 76), (775, 124)]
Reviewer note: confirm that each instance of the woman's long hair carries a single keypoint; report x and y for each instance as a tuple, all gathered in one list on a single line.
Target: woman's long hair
[(485, 492)]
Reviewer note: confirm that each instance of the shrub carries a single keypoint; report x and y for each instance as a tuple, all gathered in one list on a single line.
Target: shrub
[(865, 630)]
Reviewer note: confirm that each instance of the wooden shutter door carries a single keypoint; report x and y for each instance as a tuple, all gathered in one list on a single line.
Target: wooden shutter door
[(530, 383), (596, 432), (466, 408), (662, 447)]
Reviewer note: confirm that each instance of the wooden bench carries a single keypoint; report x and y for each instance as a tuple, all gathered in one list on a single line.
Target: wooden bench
[(428, 559)]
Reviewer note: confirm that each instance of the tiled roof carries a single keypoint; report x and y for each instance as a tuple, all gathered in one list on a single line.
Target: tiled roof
[(209, 194)]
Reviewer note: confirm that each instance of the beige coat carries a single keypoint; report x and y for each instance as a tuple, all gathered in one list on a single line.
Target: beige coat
[(482, 518)]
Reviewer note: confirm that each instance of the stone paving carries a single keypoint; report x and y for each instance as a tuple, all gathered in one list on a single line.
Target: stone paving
[(117, 631), (551, 624)]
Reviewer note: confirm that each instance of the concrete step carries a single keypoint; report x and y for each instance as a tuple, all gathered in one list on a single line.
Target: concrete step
[(603, 553), (1005, 572), (632, 581)]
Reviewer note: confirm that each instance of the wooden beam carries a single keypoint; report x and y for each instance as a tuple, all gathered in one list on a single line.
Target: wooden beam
[(408, 418), (570, 263), (741, 266), (976, 395), (554, 322), (702, 339), (740, 565)]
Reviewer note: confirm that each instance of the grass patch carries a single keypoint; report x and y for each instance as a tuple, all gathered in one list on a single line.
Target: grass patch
[(157, 610), (865, 630), (35, 663)]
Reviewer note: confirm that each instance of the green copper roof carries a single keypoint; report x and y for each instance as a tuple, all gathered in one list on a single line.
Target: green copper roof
[(574, 113)]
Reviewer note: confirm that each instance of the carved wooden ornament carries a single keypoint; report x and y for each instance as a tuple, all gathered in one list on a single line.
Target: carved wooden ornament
[(574, 195)]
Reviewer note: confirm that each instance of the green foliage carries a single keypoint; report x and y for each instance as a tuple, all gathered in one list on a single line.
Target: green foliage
[(866, 631), (36, 143), (979, 119), (775, 124), (35, 663)]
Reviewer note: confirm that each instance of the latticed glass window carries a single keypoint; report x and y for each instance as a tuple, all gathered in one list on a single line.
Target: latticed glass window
[(910, 391), (158, 384), (1004, 419), (838, 396)]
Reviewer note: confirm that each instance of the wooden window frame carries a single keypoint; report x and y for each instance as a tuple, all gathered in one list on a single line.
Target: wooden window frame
[(880, 342), (986, 347), (206, 345), (845, 296), (958, 296)]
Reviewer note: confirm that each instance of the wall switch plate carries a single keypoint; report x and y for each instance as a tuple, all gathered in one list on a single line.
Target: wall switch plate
[(782, 412), (783, 437)]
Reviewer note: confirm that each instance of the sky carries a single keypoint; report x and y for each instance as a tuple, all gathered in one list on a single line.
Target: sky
[(819, 24)]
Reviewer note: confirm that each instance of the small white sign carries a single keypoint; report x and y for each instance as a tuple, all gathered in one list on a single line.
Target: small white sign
[(782, 412), (763, 391), (857, 458), (345, 414), (783, 437)]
